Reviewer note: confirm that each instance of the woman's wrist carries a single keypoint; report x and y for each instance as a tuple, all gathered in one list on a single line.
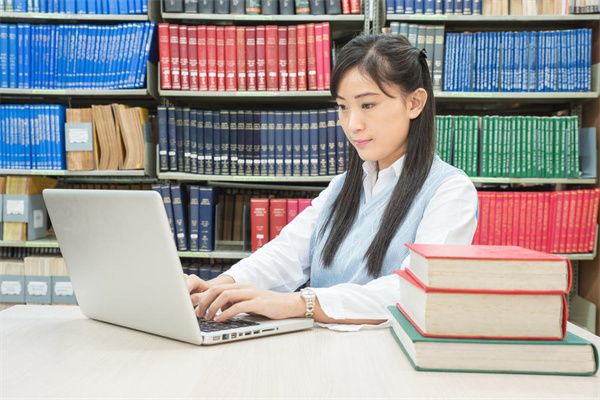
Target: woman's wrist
[(222, 279)]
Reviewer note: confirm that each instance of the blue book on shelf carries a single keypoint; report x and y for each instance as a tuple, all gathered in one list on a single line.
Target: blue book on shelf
[(207, 206), (341, 148), (279, 142), (314, 142), (399, 7), (193, 141), (233, 142), (172, 139), (187, 150), (264, 142), (449, 66), (216, 126), (331, 115), (224, 140), (208, 143), (70, 6), (194, 217), (165, 191), (296, 143), (390, 6), (144, 6), (34, 60), (249, 141), (419, 6), (179, 217), (305, 138), (449, 7), (553, 65), (256, 142), (81, 6), (145, 54), (409, 6), (478, 7), (61, 135), (200, 149), (541, 57), (12, 56), (91, 7), (467, 7), (4, 56), (113, 7), (19, 5), (458, 7), (271, 143), (131, 69), (288, 142), (429, 7), (179, 136)]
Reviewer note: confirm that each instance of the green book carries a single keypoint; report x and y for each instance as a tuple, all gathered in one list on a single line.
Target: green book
[(571, 356)]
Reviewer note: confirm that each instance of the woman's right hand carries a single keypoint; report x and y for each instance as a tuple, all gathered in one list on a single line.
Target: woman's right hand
[(196, 286)]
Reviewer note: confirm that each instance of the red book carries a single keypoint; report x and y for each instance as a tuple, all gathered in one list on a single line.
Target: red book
[(292, 209), (165, 56), (558, 218), (585, 222), (504, 219), (251, 57), (220, 58), (354, 6), (261, 59), (539, 221), (554, 225), (477, 233), (259, 222), (345, 6), (492, 219), (565, 222), (516, 218), (523, 220), (509, 203), (211, 56), (292, 58), (183, 58), (546, 222), (594, 219), (202, 58), (484, 212), (483, 313), (240, 43), (319, 62), (193, 57), (499, 198), (278, 216), (529, 233), (272, 58), (326, 54), (311, 60), (301, 58), (230, 59), (282, 40), (174, 52), (303, 204), (577, 220)]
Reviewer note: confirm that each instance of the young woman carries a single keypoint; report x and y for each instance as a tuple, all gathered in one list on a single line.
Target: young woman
[(351, 239)]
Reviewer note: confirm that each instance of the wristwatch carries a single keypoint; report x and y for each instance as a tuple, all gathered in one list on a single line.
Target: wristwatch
[(309, 297)]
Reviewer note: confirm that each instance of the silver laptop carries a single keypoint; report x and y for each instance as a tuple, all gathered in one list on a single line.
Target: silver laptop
[(125, 270)]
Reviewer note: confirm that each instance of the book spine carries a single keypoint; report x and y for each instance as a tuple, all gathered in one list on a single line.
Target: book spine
[(271, 143), (292, 209), (279, 143), (193, 57), (259, 211), (311, 60), (319, 61), (211, 57), (230, 59), (272, 58), (194, 217), (253, 7), (202, 58), (183, 58), (220, 44), (172, 138), (331, 141), (234, 148), (301, 58), (241, 58), (287, 143), (292, 58), (165, 193), (193, 141), (206, 215), (305, 137), (251, 57), (174, 54), (187, 153), (326, 54), (283, 57), (224, 131), (209, 152), (261, 58), (165, 58), (277, 216), (216, 129)]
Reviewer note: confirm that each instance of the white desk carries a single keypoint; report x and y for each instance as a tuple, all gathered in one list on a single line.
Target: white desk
[(55, 352)]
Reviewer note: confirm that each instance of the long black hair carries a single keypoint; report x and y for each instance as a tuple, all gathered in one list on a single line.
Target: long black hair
[(390, 61)]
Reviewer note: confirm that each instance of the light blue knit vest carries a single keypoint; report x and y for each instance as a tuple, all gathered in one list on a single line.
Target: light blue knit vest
[(348, 265)]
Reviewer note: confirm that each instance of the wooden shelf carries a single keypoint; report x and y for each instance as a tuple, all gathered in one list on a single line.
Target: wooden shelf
[(181, 176), (35, 17), (534, 181), (263, 97), (503, 21)]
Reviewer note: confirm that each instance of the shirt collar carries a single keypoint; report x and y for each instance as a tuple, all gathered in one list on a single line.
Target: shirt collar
[(370, 168)]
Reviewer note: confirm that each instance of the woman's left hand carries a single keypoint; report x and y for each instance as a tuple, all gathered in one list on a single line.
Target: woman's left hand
[(238, 298)]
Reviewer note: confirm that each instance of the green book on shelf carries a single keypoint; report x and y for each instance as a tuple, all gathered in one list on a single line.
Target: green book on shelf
[(571, 356)]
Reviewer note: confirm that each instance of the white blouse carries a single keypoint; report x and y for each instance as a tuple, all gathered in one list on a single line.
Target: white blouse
[(283, 264)]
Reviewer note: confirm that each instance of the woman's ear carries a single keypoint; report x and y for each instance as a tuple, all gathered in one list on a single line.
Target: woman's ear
[(416, 102)]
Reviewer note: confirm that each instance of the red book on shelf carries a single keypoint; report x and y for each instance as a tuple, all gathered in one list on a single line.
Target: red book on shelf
[(311, 60), (193, 57), (509, 202), (301, 58), (261, 59), (165, 57), (220, 58), (346, 7), (202, 58), (574, 221), (545, 223), (211, 56), (484, 206), (492, 219), (592, 222), (251, 57), (292, 58), (539, 221), (282, 40), (564, 229), (292, 209), (516, 218), (326, 54), (586, 221), (303, 204), (498, 218), (183, 58), (530, 225), (272, 58), (354, 6), (554, 223), (319, 62), (240, 42), (259, 222), (523, 220), (174, 52), (504, 219), (230, 59), (277, 216)]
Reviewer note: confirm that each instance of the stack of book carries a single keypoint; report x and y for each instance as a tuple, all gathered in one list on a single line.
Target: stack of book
[(488, 309)]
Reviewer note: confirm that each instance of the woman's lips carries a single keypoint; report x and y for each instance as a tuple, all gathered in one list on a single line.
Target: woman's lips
[(360, 143)]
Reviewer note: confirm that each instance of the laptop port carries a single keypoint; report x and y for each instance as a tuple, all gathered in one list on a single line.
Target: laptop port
[(248, 333), (216, 338), (233, 335), (256, 332), (226, 336), (268, 330)]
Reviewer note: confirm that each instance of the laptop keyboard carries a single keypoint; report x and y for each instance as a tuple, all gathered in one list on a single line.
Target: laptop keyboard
[(212, 326)]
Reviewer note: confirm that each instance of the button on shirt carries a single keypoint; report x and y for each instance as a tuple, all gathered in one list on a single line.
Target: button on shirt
[(283, 265)]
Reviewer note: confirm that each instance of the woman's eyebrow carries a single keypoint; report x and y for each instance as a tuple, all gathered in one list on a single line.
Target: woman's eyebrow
[(358, 96)]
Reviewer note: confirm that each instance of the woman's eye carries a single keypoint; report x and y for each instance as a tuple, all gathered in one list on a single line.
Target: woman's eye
[(368, 105), (341, 107)]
